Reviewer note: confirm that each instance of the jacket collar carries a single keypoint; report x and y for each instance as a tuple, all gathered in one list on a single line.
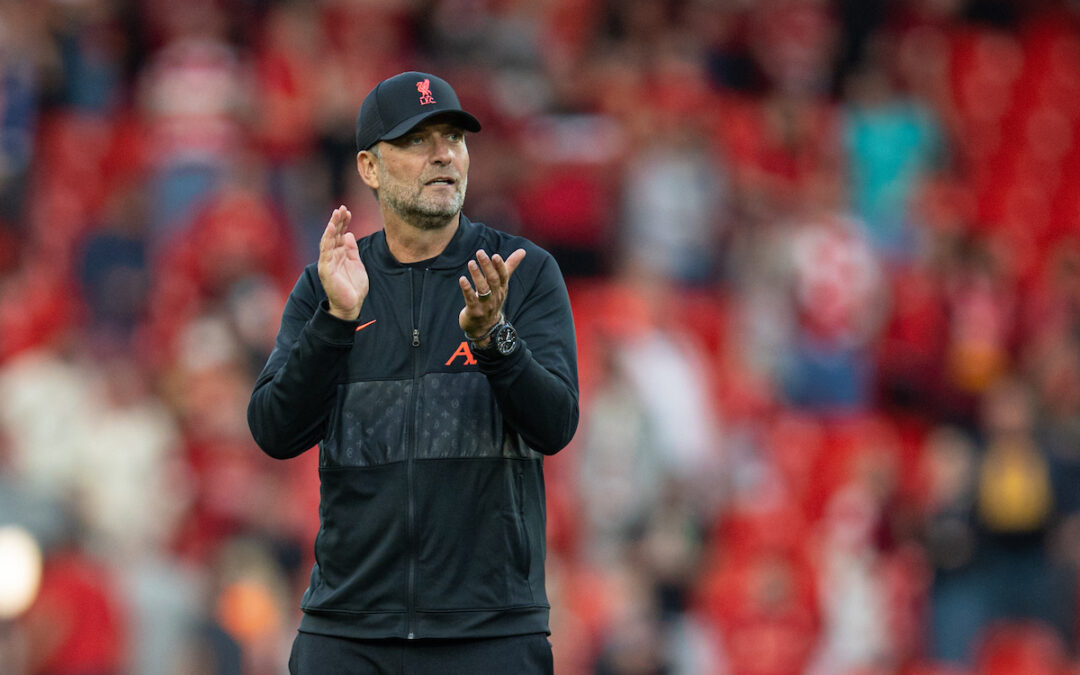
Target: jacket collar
[(462, 247)]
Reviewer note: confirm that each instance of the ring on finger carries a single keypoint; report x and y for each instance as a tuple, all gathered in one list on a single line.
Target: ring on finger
[(485, 295)]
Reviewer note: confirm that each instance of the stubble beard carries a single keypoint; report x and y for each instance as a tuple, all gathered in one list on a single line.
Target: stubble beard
[(420, 211)]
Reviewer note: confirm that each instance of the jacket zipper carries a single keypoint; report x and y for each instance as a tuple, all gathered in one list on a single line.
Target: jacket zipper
[(416, 317)]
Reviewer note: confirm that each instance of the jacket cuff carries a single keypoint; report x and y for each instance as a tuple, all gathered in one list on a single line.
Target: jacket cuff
[(494, 364), (330, 329)]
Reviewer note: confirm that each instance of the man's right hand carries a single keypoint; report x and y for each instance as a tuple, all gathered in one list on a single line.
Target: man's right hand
[(341, 272)]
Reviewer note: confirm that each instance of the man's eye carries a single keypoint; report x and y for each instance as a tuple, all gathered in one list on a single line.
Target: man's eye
[(454, 137)]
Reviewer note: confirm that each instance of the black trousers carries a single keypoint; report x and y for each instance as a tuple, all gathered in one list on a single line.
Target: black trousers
[(516, 655)]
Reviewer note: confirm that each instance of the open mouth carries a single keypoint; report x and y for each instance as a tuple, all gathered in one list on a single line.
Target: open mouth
[(442, 180)]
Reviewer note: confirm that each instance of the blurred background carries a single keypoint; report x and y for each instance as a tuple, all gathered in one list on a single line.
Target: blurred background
[(824, 259)]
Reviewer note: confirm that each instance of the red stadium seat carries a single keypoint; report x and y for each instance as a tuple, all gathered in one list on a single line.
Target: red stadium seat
[(1028, 647)]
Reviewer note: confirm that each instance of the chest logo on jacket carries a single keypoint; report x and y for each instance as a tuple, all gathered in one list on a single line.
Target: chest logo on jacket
[(462, 350)]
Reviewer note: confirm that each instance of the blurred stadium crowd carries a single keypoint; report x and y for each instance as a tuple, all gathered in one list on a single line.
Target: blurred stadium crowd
[(824, 259)]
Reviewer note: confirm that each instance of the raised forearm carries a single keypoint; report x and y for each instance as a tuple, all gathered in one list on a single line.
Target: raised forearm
[(292, 399), (537, 403)]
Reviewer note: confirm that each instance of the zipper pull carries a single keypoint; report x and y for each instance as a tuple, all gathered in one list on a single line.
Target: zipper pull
[(415, 337)]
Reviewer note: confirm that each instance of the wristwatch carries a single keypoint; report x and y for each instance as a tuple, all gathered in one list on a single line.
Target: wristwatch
[(504, 340)]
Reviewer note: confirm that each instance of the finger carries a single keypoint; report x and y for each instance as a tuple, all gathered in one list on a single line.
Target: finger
[(326, 244), (491, 271), (498, 273), (468, 293), (513, 261), (352, 252), (500, 268), (333, 229), (479, 281), (336, 220)]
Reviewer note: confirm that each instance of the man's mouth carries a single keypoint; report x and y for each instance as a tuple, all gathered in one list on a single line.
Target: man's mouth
[(441, 180)]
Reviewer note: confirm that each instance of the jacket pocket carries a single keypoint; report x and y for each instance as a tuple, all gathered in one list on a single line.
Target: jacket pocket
[(523, 557), (361, 547), (474, 545)]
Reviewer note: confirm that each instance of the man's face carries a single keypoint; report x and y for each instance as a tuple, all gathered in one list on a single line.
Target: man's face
[(422, 176)]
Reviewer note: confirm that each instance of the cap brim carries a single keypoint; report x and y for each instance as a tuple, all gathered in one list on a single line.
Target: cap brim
[(464, 119)]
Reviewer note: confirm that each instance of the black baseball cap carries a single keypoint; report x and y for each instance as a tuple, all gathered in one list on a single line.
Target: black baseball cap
[(399, 103)]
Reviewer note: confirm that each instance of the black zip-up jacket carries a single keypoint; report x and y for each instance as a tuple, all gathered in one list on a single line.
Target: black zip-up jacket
[(432, 504)]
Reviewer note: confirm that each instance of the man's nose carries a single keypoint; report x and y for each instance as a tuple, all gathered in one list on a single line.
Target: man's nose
[(442, 151)]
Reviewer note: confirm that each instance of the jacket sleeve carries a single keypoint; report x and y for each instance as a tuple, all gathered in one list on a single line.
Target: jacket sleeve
[(293, 395), (536, 388)]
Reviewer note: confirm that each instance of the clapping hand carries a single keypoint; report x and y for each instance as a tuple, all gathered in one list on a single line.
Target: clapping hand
[(341, 271), (484, 297)]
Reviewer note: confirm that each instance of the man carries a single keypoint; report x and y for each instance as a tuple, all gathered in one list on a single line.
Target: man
[(433, 385)]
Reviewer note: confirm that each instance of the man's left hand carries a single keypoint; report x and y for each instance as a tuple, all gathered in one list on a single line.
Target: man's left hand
[(484, 297)]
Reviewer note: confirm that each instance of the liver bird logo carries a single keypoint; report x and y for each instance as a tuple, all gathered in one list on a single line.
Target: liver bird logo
[(424, 88)]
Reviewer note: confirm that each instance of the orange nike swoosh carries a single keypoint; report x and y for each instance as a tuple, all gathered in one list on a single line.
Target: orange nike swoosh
[(365, 325)]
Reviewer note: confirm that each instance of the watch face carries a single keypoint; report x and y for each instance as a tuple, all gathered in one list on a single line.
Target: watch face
[(506, 340)]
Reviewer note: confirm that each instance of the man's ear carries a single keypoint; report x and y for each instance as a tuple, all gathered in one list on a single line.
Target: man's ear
[(366, 166)]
